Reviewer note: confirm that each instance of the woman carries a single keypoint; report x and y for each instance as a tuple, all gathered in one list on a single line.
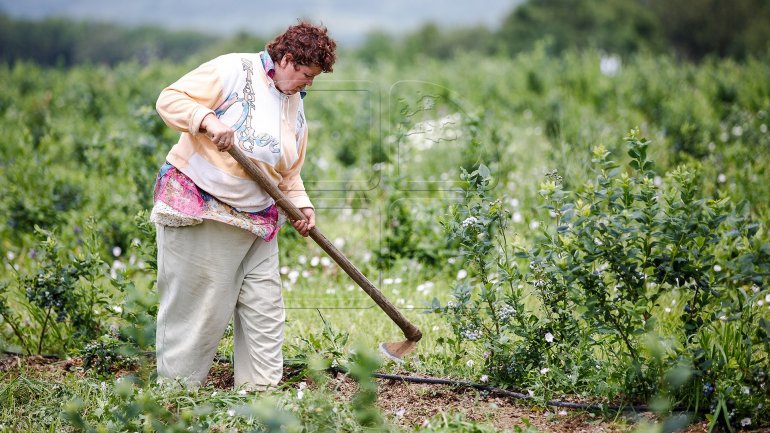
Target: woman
[(217, 251)]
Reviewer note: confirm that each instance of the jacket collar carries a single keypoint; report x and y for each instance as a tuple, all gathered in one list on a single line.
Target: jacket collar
[(269, 66)]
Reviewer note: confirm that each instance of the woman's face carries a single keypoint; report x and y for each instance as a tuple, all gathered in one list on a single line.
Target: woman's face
[(290, 78)]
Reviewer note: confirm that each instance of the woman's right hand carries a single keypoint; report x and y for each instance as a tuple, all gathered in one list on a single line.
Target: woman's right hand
[(220, 134)]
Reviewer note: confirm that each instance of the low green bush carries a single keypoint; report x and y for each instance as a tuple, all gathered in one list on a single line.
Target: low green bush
[(638, 288)]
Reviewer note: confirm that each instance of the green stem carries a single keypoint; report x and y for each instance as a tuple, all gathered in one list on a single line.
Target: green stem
[(42, 332), (18, 334)]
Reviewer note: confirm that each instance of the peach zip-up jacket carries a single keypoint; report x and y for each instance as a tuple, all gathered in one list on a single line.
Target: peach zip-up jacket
[(269, 126)]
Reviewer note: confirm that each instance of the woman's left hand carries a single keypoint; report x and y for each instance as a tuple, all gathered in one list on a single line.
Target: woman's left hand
[(304, 226)]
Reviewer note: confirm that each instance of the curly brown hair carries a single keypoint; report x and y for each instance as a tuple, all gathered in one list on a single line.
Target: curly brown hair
[(309, 45)]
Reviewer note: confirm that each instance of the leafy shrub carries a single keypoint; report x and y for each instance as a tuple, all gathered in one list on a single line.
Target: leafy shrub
[(106, 355), (62, 300), (130, 405), (638, 277), (491, 313)]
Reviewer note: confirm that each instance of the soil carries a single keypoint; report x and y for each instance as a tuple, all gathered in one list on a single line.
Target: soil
[(403, 403)]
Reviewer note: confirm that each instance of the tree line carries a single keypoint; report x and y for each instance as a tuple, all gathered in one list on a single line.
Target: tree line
[(689, 29)]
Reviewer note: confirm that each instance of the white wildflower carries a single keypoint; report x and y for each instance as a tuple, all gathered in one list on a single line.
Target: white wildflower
[(533, 225), (326, 262), (117, 308), (667, 310), (300, 394), (284, 270), (610, 65), (549, 337), (231, 412), (745, 422), (517, 218), (721, 178), (462, 273), (302, 259), (242, 392), (469, 363), (314, 261), (293, 275), (117, 266), (544, 370), (767, 297), (339, 242), (484, 378), (425, 287), (470, 221), (11, 255), (116, 250), (717, 268)]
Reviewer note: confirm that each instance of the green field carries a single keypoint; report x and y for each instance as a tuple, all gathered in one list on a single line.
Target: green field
[(559, 264)]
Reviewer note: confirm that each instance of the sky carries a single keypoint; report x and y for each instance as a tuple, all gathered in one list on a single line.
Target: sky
[(348, 20)]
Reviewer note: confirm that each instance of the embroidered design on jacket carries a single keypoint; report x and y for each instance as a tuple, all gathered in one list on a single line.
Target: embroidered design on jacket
[(248, 139)]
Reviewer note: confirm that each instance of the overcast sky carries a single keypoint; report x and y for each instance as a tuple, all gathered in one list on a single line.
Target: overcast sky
[(347, 20)]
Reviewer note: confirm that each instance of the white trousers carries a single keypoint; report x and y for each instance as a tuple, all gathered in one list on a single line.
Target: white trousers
[(207, 274)]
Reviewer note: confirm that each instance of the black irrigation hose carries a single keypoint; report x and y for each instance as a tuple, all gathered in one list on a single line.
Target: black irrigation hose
[(507, 393)]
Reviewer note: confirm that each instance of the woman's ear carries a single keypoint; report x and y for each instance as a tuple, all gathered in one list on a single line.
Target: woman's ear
[(286, 59)]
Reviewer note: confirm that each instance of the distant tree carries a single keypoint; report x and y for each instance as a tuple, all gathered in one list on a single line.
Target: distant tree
[(697, 28), (64, 42), (430, 40), (377, 46), (620, 26)]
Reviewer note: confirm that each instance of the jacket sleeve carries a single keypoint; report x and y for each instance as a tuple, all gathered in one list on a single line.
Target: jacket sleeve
[(185, 103), (291, 183)]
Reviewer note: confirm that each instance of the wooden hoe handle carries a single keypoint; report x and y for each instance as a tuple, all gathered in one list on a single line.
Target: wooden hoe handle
[(410, 331)]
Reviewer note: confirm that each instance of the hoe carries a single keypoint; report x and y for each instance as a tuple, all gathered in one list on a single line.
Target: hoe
[(395, 350)]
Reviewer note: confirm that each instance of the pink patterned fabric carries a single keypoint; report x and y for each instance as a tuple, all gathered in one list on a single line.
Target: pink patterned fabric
[(178, 191), (179, 202)]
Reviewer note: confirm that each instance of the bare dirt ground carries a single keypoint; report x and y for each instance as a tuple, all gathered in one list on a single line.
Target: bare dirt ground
[(406, 404)]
